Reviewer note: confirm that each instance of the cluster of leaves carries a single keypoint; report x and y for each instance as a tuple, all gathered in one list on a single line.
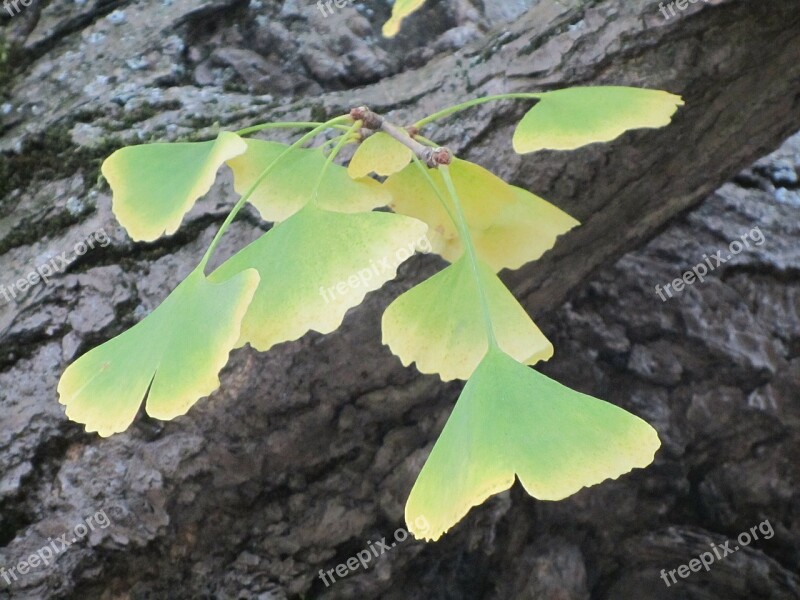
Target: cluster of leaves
[(462, 323)]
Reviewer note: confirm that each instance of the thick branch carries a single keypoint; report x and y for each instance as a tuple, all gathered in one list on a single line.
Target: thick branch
[(303, 454)]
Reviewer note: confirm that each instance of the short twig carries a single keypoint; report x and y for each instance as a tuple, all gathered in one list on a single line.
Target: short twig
[(432, 157)]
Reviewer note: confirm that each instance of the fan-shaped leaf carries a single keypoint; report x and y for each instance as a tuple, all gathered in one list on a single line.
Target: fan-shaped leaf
[(315, 266), (522, 232), (380, 153), (511, 420), (155, 185), (440, 325), (573, 117), (509, 225), (291, 184), (483, 197), (172, 358), (400, 10)]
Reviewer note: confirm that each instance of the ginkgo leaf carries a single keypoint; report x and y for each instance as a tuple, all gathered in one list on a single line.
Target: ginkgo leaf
[(509, 225), (400, 10), (381, 154), (291, 184), (172, 358), (511, 420), (439, 324), (573, 117), (315, 266), (483, 197), (522, 232), (155, 185)]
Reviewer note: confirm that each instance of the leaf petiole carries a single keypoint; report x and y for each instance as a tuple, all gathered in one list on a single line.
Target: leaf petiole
[(288, 125), (426, 141), (246, 196), (466, 237), (342, 141), (475, 102), (423, 169)]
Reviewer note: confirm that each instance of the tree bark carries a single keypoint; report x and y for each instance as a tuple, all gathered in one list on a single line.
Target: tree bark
[(306, 454)]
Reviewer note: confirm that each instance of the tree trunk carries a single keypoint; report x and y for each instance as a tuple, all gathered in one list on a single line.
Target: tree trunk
[(305, 456)]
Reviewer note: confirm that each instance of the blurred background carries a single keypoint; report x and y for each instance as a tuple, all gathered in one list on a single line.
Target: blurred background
[(306, 454)]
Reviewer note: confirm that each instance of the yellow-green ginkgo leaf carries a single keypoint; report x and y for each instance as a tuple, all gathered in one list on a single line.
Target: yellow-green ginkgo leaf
[(522, 232), (483, 197), (381, 154), (511, 420), (400, 10), (315, 266), (573, 117), (172, 358), (439, 324), (291, 184), (155, 185)]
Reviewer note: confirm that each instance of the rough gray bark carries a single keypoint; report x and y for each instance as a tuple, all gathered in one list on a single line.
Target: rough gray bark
[(308, 453)]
